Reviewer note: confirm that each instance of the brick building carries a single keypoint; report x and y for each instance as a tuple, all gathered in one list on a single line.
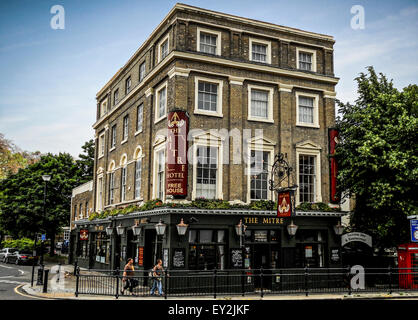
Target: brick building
[(249, 90)]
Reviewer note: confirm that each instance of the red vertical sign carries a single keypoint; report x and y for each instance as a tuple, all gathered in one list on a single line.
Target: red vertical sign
[(284, 206), (176, 167), (333, 140), (141, 256)]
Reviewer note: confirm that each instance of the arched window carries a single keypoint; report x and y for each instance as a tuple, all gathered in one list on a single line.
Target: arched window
[(138, 171)]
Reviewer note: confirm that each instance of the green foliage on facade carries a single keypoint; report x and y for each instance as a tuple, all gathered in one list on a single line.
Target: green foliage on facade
[(378, 157), (266, 205)]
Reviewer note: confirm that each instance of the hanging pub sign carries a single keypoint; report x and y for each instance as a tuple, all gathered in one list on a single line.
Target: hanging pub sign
[(284, 206), (333, 140), (176, 165), (84, 234)]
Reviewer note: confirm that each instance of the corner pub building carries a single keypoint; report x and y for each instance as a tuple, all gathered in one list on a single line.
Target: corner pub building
[(218, 75)]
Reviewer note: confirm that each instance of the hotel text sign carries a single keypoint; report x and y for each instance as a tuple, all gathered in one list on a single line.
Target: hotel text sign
[(176, 176), (263, 220)]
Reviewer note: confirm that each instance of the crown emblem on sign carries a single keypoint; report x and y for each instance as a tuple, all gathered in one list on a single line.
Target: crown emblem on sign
[(175, 121)]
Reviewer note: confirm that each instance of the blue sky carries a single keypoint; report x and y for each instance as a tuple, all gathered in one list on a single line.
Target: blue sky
[(49, 78)]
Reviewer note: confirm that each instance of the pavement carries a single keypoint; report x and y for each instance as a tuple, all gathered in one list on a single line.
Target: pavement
[(62, 284)]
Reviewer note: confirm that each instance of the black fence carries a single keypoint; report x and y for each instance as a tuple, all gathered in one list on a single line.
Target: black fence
[(248, 282)]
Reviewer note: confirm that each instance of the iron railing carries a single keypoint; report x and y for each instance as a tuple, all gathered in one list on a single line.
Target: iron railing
[(250, 282)]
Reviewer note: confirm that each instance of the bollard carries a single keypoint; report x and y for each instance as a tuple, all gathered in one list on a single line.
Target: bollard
[(306, 281), (45, 289), (77, 275), (261, 281)]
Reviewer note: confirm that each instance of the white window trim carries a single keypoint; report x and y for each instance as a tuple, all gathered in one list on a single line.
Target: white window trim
[(315, 123), (101, 146), (157, 148), (313, 52), (103, 108), (269, 105), (218, 112), (157, 101), (264, 42), (310, 151), (142, 125), (161, 43), (99, 204), (209, 140), (218, 35), (138, 156), (259, 144)]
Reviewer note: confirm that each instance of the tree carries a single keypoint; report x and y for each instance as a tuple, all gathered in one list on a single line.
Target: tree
[(86, 162), (377, 157), (22, 194)]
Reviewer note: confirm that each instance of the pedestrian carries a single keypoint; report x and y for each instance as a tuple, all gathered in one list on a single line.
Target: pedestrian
[(128, 280), (157, 272)]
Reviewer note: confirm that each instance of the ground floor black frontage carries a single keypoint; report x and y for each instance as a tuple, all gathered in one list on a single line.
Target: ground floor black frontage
[(211, 240)]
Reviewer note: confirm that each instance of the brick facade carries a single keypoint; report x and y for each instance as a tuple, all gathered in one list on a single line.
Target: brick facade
[(237, 73)]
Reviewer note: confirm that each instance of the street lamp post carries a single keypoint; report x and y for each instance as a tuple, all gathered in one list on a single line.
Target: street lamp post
[(160, 228), (46, 178)]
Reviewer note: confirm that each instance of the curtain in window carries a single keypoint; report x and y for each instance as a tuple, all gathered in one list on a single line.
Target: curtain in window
[(259, 103), (162, 102), (208, 43), (305, 61), (140, 117), (306, 106), (259, 53), (160, 175)]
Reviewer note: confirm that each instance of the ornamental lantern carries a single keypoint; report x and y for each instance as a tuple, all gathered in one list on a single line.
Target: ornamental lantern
[(292, 228), (160, 227), (182, 228)]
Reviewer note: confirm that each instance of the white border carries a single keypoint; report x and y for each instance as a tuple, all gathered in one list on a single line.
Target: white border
[(168, 47)]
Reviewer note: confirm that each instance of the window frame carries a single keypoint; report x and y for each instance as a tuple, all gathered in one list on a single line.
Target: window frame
[(310, 150), (101, 145), (128, 88), (142, 73), (310, 51), (270, 151), (158, 148), (160, 44), (262, 42), (219, 83), (113, 137), (218, 35), (157, 102), (116, 97), (125, 129), (212, 141), (315, 123), (270, 90), (140, 106)]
